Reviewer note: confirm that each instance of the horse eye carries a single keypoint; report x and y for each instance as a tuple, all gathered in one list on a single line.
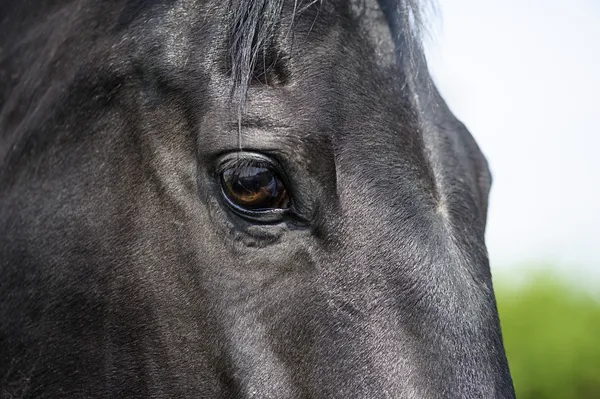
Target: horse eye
[(254, 187)]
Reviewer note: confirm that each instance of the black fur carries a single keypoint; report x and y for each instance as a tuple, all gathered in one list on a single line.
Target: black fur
[(123, 272)]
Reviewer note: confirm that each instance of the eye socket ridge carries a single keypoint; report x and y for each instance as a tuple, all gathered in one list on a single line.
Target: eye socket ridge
[(254, 186)]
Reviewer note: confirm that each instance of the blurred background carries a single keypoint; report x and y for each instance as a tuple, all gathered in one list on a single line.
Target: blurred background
[(524, 76)]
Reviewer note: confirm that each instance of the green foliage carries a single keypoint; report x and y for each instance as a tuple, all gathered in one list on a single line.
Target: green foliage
[(552, 337)]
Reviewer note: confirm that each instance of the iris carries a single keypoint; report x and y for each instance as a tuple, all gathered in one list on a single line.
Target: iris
[(254, 187)]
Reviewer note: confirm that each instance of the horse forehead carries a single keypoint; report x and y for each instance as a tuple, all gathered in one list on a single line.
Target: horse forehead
[(194, 38)]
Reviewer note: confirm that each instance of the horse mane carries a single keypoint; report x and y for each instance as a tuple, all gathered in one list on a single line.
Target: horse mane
[(254, 25), (406, 21), (253, 28)]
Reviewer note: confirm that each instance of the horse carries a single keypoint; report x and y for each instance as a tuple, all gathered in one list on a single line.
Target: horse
[(237, 199)]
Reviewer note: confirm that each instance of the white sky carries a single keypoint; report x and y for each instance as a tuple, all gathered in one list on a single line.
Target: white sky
[(524, 76)]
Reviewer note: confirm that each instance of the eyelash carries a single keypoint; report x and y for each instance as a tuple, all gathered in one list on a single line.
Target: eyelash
[(240, 163)]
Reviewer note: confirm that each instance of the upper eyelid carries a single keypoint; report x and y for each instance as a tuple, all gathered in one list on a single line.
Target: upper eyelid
[(247, 158), (241, 163)]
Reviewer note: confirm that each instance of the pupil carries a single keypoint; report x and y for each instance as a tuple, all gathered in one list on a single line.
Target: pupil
[(253, 180)]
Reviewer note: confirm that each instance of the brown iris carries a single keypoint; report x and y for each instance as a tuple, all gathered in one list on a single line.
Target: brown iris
[(254, 188)]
